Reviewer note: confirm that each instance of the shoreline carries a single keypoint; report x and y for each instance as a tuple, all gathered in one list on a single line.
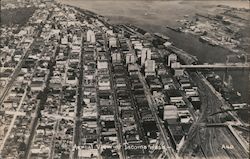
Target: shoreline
[(159, 23)]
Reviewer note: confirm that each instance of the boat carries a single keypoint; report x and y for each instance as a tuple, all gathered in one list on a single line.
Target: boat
[(174, 29), (213, 43), (204, 39)]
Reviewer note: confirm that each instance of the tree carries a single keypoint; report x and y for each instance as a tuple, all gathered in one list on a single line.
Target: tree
[(107, 153), (22, 146)]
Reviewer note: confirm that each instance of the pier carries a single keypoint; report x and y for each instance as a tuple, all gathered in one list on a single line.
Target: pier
[(213, 66)]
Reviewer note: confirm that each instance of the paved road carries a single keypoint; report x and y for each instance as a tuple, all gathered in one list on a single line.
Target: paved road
[(40, 104), (115, 104), (78, 126), (14, 75), (13, 121), (168, 146)]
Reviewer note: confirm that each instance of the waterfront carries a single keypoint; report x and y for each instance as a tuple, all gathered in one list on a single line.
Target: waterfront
[(154, 16), (209, 54)]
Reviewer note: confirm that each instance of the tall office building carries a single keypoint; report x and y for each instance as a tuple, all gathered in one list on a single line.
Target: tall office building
[(116, 57), (91, 36), (130, 58), (112, 42), (171, 59), (145, 55), (150, 67)]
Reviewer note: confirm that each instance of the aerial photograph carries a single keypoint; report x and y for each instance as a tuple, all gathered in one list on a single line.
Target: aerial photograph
[(125, 79)]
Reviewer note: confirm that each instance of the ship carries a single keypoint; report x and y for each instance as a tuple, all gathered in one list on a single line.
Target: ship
[(204, 39), (161, 36), (208, 40)]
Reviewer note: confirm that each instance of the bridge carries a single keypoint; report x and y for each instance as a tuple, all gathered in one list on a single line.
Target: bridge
[(229, 110), (177, 65)]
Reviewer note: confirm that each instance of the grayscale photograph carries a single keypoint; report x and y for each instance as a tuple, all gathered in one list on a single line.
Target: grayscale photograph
[(124, 79)]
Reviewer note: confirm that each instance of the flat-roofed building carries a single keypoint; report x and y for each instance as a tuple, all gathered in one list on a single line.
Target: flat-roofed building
[(170, 114), (150, 68)]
